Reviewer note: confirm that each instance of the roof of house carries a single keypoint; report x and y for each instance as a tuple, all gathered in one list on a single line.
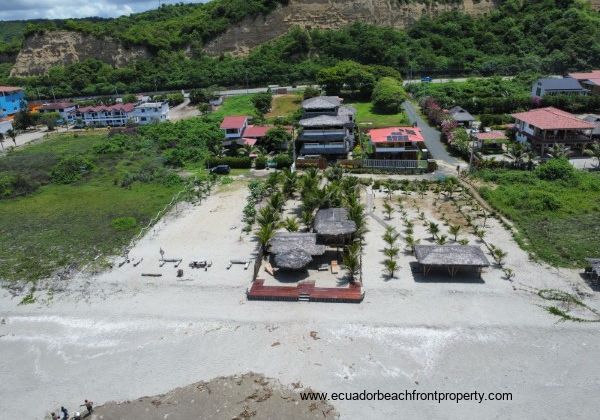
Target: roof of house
[(334, 221), (347, 110), (383, 135), (294, 259), (566, 83), (451, 255), (257, 131), (248, 141), (150, 105), (108, 108), (10, 89), (593, 81), (594, 119), (283, 242), (321, 102), (491, 135), (594, 74), (233, 122), (460, 114), (57, 105), (551, 118), (323, 121)]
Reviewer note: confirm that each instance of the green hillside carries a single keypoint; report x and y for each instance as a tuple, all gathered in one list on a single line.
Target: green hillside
[(541, 36)]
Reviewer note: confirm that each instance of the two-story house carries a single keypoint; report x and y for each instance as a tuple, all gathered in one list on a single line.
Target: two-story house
[(151, 112), (550, 86), (106, 115), (11, 100), (66, 110), (327, 127), (398, 143), (544, 127)]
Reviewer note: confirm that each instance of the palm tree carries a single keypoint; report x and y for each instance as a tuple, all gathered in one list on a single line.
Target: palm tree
[(463, 242), (517, 153), (390, 186), (442, 240), (480, 233), (388, 209), (307, 219), (391, 252), (352, 260), (13, 135), (267, 216), (390, 236), (433, 229), (594, 152), (558, 151), (264, 235), (277, 201), (454, 230), (247, 150), (391, 266), (290, 180), (499, 256), (411, 242), (291, 224), (334, 173), (272, 182)]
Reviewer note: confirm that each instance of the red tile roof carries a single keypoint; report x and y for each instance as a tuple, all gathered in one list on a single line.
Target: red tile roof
[(10, 89), (551, 118), (249, 142), (233, 122), (491, 135), (380, 135), (108, 108), (594, 74), (255, 131)]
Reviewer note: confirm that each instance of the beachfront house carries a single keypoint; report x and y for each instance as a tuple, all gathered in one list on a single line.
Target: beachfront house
[(233, 126), (151, 112), (553, 86), (66, 110), (589, 80), (327, 128), (116, 115), (237, 130), (544, 127), (398, 143), (462, 117), (11, 100)]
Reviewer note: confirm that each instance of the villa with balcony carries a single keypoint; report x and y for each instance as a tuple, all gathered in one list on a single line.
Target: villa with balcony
[(398, 143), (327, 128), (544, 127)]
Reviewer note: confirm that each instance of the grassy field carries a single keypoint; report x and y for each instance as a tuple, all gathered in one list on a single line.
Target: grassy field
[(285, 105), (236, 105), (560, 219), (368, 118), (67, 225)]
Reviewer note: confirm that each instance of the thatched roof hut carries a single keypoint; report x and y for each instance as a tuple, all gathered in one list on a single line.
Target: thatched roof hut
[(334, 226), (295, 259), (283, 242), (452, 257)]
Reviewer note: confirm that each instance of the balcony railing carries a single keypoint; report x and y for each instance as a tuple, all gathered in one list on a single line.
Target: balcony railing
[(325, 148)]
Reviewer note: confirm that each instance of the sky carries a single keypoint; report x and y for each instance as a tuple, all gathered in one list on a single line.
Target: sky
[(61, 9)]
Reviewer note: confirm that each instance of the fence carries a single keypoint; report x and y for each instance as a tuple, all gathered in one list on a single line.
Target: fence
[(394, 164)]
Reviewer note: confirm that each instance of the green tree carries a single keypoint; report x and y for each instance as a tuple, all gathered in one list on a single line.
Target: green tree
[(388, 96), (276, 138), (352, 260), (262, 102)]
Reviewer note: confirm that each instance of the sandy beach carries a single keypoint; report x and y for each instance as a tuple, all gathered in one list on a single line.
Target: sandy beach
[(119, 336)]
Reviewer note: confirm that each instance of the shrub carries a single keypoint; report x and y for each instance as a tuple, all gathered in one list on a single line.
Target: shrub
[(260, 162), (233, 162), (16, 185), (124, 223), (71, 169), (311, 92), (555, 169), (175, 99), (262, 102), (388, 96), (283, 161)]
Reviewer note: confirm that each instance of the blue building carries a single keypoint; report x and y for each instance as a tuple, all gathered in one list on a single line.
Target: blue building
[(11, 100)]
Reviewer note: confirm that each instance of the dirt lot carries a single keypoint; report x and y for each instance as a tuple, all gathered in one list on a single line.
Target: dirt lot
[(118, 336)]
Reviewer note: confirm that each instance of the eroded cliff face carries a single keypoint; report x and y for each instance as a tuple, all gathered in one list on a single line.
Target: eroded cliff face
[(42, 51), (327, 14)]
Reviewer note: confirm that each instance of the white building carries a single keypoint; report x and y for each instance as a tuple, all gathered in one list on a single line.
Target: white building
[(106, 115), (66, 110), (151, 112)]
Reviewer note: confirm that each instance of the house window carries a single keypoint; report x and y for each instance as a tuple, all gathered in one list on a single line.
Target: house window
[(538, 92)]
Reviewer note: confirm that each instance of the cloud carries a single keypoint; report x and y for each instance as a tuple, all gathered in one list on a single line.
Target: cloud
[(61, 9)]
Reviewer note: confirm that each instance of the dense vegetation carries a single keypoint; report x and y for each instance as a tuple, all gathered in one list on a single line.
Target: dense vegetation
[(555, 207), (88, 194), (542, 36)]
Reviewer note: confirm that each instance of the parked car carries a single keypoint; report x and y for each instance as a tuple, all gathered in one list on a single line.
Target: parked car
[(221, 170), (426, 79)]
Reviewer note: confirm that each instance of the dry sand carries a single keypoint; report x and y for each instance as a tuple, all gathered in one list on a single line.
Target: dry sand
[(117, 336)]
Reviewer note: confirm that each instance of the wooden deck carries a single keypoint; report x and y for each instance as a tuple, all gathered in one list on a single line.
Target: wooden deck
[(305, 291)]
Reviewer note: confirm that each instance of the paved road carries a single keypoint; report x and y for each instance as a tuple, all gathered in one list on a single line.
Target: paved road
[(28, 137), (432, 137)]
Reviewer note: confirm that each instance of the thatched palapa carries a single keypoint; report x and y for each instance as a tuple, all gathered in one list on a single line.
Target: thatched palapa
[(284, 242), (295, 259), (333, 226), (451, 256)]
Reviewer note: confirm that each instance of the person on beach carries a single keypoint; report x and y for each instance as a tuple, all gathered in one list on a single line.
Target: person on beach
[(89, 405), (54, 416), (64, 412)]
